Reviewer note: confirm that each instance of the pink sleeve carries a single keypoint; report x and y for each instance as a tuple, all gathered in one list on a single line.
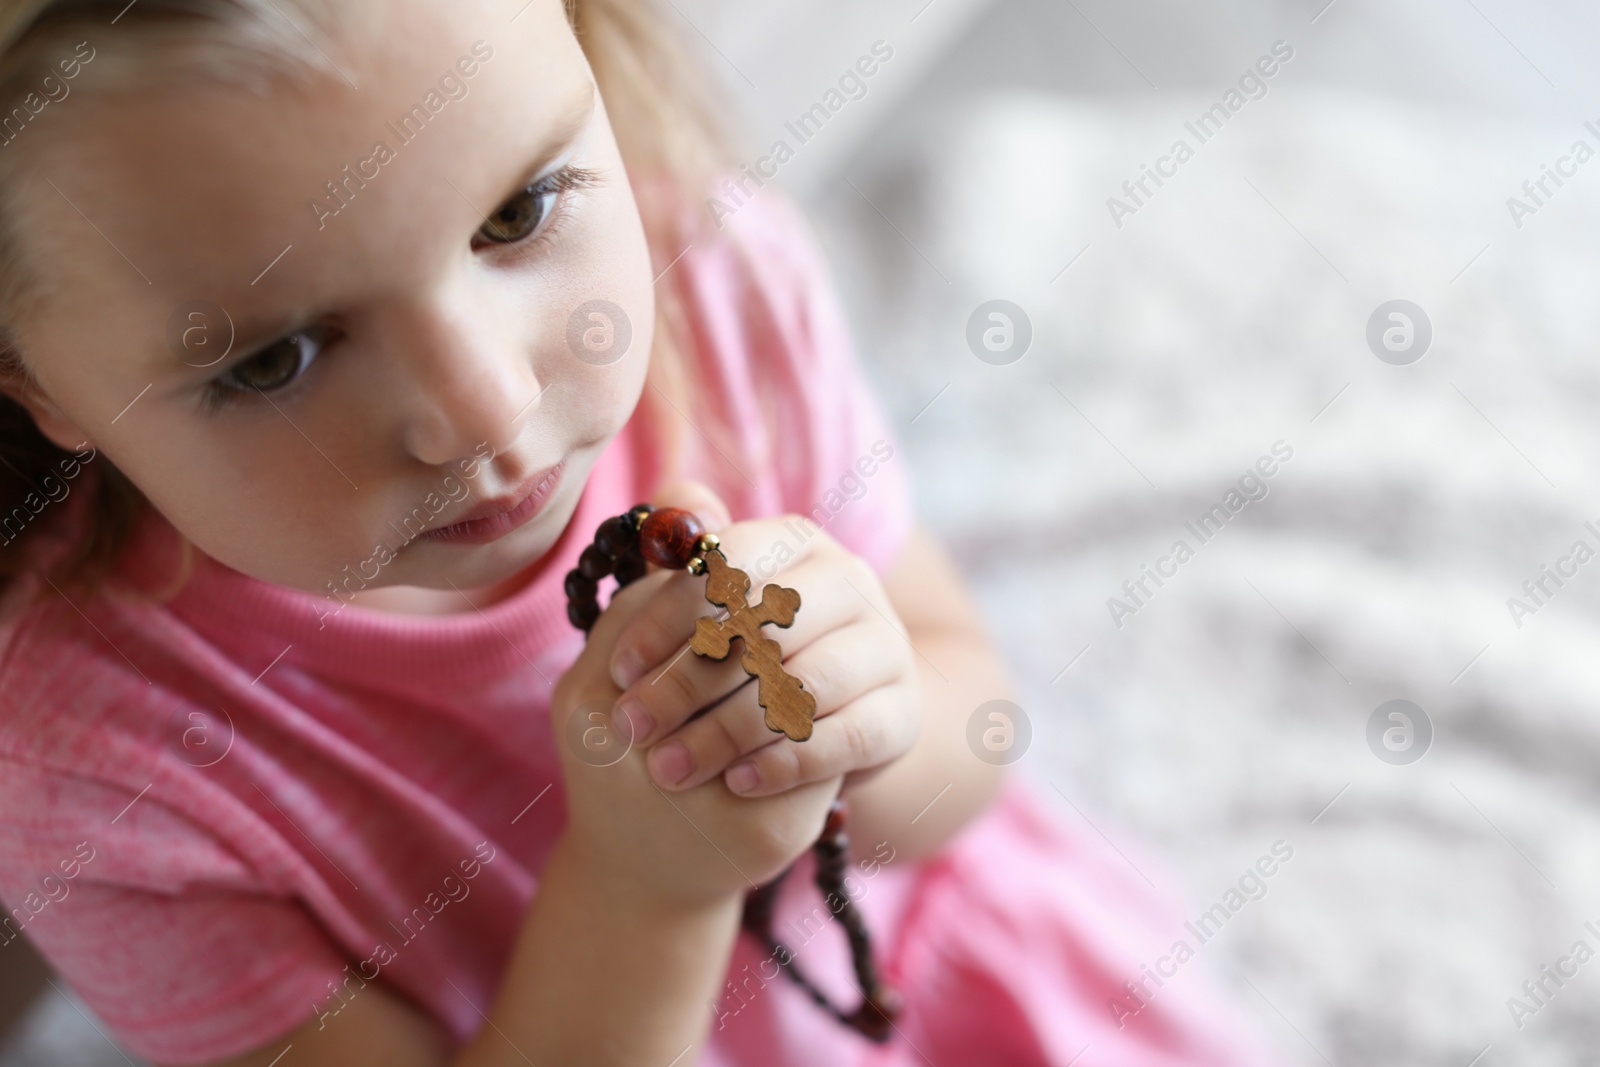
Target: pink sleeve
[(159, 932), (809, 421)]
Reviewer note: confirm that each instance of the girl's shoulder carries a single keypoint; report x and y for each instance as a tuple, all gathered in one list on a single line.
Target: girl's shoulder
[(75, 667), (32, 604), (76, 693), (39, 545), (96, 755), (789, 413), (761, 269)]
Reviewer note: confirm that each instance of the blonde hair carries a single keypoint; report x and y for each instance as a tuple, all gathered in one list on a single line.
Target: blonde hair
[(671, 140)]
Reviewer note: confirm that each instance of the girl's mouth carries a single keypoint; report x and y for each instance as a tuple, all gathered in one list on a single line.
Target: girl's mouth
[(494, 519)]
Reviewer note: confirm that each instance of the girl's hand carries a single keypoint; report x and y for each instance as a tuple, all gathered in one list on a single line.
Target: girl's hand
[(847, 646), (689, 846)]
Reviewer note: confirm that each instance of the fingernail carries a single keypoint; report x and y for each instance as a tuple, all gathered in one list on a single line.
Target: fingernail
[(743, 777), (626, 669), (631, 721), (671, 763)]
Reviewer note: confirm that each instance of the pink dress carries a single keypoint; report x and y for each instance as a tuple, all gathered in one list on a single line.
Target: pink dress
[(220, 812)]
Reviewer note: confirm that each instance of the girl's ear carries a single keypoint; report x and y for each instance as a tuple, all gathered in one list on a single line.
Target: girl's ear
[(20, 387)]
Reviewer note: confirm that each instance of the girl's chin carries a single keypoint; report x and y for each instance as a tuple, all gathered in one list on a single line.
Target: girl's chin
[(445, 579)]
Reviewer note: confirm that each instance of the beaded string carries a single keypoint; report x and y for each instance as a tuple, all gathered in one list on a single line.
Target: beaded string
[(623, 547)]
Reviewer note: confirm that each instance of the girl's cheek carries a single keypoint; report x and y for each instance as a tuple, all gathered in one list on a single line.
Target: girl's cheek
[(610, 327), (608, 400)]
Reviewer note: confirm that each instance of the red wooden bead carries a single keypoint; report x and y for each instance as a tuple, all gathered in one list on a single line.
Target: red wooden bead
[(838, 812), (668, 537)]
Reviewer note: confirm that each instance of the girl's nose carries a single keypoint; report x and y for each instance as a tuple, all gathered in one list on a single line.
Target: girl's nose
[(463, 382)]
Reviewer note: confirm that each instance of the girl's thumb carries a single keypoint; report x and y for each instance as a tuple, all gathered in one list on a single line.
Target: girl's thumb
[(695, 497)]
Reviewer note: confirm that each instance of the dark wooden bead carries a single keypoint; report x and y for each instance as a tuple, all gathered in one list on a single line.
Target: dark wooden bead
[(594, 563), (668, 537), (875, 1017), (580, 586), (615, 536), (631, 566), (582, 613)]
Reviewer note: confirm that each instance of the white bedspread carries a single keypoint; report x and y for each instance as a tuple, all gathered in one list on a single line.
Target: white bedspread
[(1229, 312)]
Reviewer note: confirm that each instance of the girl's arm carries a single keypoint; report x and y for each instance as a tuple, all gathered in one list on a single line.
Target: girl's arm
[(959, 670), (626, 944), (604, 972)]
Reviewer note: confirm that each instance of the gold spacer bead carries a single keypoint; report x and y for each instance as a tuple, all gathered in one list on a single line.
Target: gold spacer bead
[(696, 565), (707, 542), (637, 515)]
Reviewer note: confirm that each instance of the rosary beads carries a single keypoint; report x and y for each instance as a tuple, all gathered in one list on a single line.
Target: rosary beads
[(675, 539)]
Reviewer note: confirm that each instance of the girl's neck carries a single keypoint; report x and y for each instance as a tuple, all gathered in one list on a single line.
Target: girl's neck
[(417, 600)]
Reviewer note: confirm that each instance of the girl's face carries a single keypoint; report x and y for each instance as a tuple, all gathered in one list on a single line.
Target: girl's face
[(408, 255)]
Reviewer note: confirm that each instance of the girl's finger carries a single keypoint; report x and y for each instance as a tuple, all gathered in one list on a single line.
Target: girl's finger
[(661, 632), (867, 732), (664, 698), (696, 497), (836, 669)]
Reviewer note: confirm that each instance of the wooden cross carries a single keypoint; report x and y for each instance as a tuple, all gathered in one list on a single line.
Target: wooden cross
[(789, 707)]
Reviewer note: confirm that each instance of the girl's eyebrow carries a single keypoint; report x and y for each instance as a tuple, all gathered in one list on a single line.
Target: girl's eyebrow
[(565, 129)]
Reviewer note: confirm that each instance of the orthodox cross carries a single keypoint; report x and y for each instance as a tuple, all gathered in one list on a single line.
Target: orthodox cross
[(789, 708)]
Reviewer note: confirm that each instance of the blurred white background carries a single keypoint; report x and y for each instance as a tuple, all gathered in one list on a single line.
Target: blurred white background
[(1227, 314)]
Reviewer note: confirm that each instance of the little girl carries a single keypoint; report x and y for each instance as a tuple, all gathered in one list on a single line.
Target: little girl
[(332, 332)]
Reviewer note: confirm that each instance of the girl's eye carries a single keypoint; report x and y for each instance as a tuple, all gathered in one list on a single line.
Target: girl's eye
[(530, 209), (518, 217), (270, 369)]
